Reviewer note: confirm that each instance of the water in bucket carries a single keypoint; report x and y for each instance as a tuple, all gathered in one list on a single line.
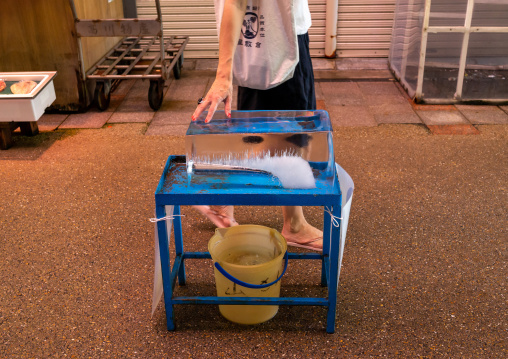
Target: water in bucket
[(252, 254)]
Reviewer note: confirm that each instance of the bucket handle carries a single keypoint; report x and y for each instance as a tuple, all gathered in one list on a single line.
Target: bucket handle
[(248, 285)]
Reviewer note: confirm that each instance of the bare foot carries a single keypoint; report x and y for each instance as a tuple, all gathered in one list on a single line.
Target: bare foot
[(221, 216), (307, 236)]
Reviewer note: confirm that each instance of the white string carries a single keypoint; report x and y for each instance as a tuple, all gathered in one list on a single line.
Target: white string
[(154, 220), (335, 219)]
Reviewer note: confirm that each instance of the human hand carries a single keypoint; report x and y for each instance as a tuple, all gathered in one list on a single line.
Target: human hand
[(221, 91)]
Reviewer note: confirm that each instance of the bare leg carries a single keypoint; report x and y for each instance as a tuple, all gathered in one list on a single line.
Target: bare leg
[(221, 216), (297, 231)]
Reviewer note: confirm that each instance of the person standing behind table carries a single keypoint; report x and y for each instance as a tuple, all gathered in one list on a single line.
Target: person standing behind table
[(296, 93)]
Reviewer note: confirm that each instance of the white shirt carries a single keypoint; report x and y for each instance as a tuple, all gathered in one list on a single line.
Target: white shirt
[(303, 20)]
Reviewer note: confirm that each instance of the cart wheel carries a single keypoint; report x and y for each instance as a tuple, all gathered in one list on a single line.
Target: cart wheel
[(180, 60), (155, 94), (177, 69), (102, 96)]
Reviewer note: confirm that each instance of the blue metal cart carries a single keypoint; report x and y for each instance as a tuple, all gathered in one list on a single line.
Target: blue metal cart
[(239, 188)]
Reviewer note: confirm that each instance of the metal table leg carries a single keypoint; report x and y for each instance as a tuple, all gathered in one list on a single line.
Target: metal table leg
[(177, 223), (160, 212), (333, 278), (327, 220)]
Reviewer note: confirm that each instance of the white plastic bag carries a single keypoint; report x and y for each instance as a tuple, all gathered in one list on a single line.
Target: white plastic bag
[(347, 187), (267, 50)]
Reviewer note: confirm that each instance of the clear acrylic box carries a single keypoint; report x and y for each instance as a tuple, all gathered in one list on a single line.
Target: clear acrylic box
[(245, 144)]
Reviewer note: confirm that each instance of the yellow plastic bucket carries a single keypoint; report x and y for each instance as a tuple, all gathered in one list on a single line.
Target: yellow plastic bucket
[(248, 262)]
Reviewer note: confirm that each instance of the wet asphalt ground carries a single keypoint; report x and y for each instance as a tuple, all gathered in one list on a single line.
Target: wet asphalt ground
[(424, 270)]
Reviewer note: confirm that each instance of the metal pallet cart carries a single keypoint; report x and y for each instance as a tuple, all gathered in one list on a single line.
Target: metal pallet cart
[(143, 53)]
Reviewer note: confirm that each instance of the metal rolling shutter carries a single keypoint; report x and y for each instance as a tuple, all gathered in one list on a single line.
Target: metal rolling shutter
[(317, 30), (196, 18), (364, 28)]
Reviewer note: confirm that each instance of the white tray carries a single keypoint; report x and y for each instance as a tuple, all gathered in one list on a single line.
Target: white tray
[(29, 107)]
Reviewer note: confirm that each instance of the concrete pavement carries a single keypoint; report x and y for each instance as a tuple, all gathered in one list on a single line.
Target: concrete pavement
[(424, 268), (355, 93)]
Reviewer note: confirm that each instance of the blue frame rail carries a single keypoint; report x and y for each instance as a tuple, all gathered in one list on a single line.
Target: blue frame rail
[(175, 190)]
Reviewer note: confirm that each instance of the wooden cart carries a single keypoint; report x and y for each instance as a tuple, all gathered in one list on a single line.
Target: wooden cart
[(143, 53)]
